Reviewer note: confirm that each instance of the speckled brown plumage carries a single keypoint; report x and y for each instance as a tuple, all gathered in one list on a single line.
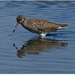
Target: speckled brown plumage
[(39, 26)]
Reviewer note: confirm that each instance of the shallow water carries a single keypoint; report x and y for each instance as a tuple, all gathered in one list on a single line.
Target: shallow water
[(25, 52)]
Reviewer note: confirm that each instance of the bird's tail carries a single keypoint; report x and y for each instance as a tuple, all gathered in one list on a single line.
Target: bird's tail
[(62, 26)]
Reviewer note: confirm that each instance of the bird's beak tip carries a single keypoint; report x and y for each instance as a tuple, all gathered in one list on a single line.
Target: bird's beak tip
[(14, 30), (15, 27)]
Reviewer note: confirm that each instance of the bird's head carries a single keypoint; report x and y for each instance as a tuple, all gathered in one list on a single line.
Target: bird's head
[(20, 19)]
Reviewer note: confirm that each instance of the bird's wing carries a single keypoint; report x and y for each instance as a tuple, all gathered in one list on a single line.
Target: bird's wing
[(41, 25)]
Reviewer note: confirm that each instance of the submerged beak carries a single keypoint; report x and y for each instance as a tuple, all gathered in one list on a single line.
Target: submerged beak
[(15, 27)]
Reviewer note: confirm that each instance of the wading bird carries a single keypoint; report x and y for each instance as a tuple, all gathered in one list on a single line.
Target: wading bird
[(38, 26)]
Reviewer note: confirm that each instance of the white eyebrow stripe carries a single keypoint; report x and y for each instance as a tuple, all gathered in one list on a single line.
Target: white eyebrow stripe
[(22, 20)]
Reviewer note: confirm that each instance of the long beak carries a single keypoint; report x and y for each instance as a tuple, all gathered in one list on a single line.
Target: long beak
[(15, 27)]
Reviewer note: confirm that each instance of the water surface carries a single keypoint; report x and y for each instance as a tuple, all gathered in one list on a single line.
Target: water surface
[(25, 52)]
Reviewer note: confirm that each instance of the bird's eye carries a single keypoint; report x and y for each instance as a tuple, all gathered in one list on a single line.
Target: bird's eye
[(20, 19)]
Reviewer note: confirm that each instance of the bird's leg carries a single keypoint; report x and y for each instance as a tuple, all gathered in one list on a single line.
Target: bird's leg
[(43, 35)]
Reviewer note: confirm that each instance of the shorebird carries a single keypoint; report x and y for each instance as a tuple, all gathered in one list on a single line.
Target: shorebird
[(38, 26)]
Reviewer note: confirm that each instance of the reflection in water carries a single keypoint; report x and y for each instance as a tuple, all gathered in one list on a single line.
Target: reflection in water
[(37, 45)]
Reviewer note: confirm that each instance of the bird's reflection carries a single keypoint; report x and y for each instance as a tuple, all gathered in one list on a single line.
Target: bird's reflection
[(37, 45)]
